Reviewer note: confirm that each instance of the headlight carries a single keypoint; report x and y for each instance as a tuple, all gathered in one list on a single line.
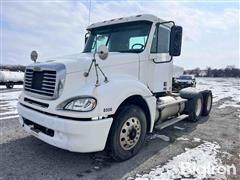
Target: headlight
[(82, 104)]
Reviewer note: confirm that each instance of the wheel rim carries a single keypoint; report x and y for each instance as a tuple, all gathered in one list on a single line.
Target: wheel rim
[(209, 102), (130, 133), (198, 107)]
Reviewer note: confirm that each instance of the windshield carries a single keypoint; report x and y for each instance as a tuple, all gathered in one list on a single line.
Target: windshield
[(127, 37), (185, 77)]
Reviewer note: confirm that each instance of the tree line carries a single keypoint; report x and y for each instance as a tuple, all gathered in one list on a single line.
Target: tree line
[(229, 71), (13, 67)]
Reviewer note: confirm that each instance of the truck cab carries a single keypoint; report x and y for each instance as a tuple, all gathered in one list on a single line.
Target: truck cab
[(113, 93)]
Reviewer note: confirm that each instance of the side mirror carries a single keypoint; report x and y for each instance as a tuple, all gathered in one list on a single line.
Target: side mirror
[(34, 56), (103, 52), (86, 37), (175, 41)]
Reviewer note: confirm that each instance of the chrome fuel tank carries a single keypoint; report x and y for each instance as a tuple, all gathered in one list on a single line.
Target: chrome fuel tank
[(169, 106)]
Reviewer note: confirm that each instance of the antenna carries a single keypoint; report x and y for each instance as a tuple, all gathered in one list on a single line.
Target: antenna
[(89, 11)]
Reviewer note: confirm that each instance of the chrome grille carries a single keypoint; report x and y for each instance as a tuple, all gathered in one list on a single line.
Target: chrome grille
[(44, 80), (40, 82)]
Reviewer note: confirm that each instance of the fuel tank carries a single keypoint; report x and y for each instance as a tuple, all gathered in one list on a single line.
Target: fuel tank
[(9, 76), (169, 106)]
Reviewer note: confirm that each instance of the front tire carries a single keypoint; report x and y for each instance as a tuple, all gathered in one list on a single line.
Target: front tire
[(127, 134)]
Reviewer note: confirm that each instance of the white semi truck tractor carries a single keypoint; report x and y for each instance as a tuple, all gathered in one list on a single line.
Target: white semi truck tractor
[(114, 92)]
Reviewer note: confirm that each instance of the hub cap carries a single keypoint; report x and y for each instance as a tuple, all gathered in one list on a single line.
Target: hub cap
[(198, 107), (130, 133)]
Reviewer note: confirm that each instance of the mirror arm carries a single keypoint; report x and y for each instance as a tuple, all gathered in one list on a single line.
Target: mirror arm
[(167, 22)]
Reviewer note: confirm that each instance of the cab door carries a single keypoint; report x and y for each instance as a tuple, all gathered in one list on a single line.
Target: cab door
[(160, 62)]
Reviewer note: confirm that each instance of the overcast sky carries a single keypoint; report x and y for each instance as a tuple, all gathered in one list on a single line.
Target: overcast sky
[(211, 29)]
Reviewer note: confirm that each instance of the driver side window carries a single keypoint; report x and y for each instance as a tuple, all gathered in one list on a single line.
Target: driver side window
[(134, 42), (100, 39), (161, 40)]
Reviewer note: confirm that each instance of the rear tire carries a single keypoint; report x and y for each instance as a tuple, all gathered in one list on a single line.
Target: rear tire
[(207, 103), (194, 105), (127, 134)]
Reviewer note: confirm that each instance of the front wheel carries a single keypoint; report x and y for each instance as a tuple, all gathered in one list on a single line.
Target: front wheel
[(127, 133)]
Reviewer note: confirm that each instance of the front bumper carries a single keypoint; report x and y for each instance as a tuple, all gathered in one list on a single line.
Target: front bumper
[(77, 136)]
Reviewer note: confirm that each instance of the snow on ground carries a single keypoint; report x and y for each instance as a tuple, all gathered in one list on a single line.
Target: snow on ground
[(14, 87), (8, 104), (179, 128), (201, 162), (196, 140), (182, 139), (229, 103), (222, 88)]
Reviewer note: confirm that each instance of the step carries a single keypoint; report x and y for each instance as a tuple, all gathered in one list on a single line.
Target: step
[(171, 121)]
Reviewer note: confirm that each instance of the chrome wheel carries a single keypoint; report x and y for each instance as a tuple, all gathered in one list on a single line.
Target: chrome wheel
[(198, 107), (209, 102), (130, 133)]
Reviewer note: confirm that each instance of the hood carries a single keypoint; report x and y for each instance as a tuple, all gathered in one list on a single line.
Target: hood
[(81, 62)]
